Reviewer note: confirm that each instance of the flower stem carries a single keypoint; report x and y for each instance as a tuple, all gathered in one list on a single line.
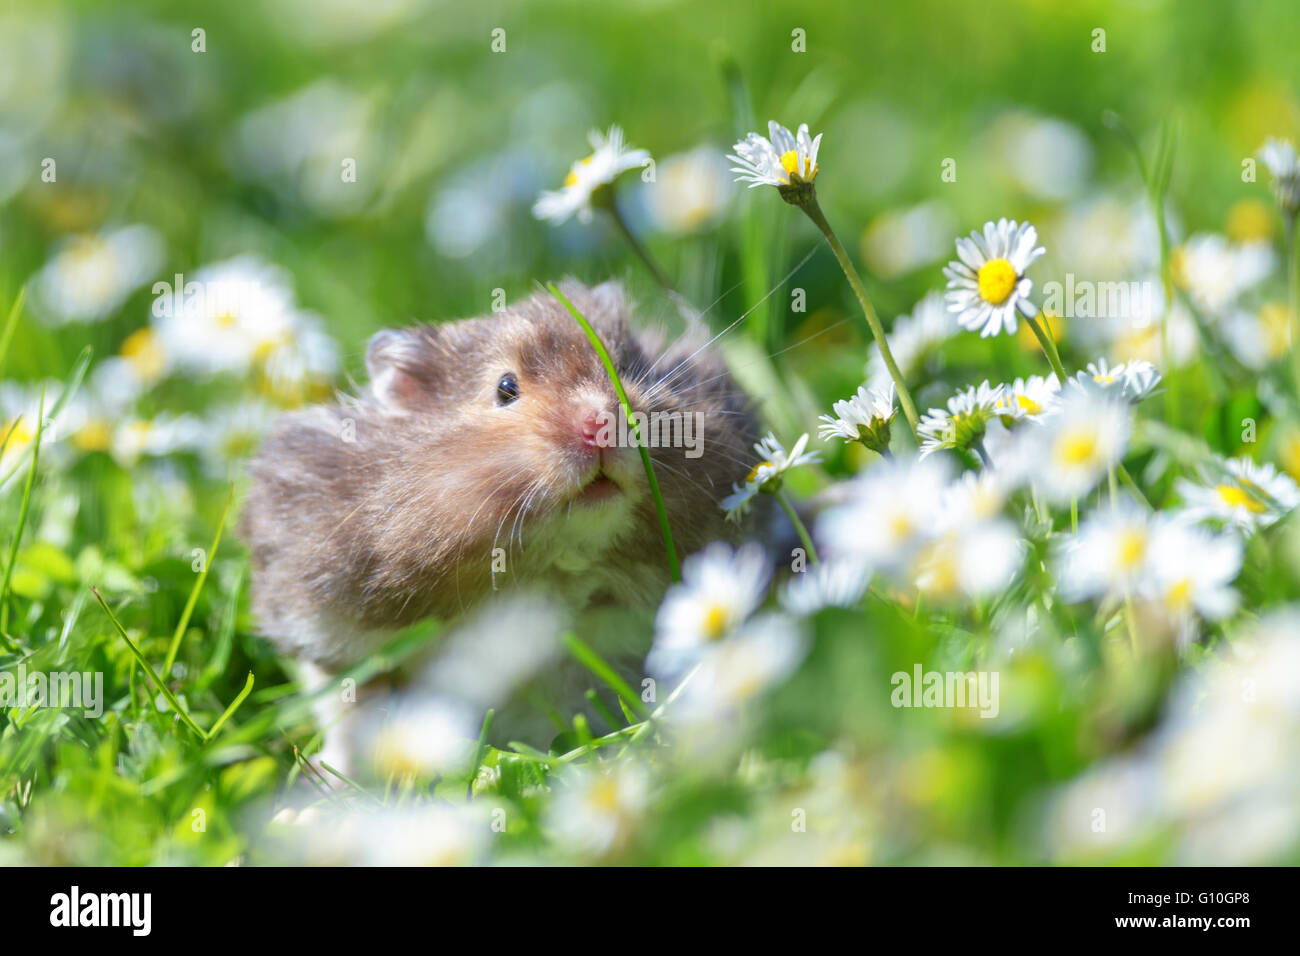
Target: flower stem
[(814, 212), (1049, 349), (798, 526)]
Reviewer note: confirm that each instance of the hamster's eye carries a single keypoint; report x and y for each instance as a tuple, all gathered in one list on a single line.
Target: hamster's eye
[(507, 390)]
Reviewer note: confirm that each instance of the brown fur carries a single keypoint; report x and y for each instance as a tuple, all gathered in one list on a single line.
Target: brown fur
[(353, 538)]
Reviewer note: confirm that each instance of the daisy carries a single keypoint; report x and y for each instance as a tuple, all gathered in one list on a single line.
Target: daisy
[(719, 590), (891, 512), (424, 736), (1079, 441), (782, 159), (1216, 272), (914, 337), (974, 497), (240, 312), (1133, 379), (974, 560), (1192, 570), (1242, 493), (1108, 557), (734, 672), (829, 584), (164, 434), (588, 182), (418, 834), (595, 811), (230, 434), (690, 193), (1027, 398), (89, 277), (767, 475), (863, 417), (1280, 158), (1258, 338), (962, 424), (987, 284)]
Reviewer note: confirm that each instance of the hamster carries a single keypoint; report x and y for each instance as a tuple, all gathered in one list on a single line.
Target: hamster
[(483, 456)]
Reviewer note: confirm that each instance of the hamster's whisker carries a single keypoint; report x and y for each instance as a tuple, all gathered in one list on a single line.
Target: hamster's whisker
[(788, 276)]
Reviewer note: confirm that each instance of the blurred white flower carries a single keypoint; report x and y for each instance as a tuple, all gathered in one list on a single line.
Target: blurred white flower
[(164, 434), (962, 423), (1045, 157), (719, 590), (1075, 444), (1219, 775), (238, 315), (419, 834), (779, 159), (1133, 379), (735, 671), (900, 241), (890, 513), (689, 193), (1216, 272), (1280, 158), (1191, 570), (1108, 557), (609, 159), (1260, 337), (595, 811), (422, 736), (986, 283), (229, 435), (833, 583), (495, 650), (89, 277), (1240, 493), (975, 559)]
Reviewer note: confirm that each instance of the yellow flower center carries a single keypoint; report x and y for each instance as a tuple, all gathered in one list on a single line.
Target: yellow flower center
[(1234, 496), (790, 163), (572, 178), (93, 436), (1132, 548), (145, 355), (753, 472), (603, 796), (1179, 595), (996, 280), (226, 319), (1028, 405), (715, 622), (1077, 448)]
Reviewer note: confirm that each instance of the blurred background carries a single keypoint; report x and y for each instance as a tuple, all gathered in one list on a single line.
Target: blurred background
[(148, 140)]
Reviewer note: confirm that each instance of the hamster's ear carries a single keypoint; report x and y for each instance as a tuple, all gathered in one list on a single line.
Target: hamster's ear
[(392, 357)]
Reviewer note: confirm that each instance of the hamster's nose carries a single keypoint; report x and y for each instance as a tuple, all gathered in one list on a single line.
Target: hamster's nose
[(592, 425)]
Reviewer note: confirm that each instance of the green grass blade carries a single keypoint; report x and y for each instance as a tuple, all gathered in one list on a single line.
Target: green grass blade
[(148, 669), (11, 323), (593, 662), (22, 521), (198, 586), (599, 346), (234, 706)]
